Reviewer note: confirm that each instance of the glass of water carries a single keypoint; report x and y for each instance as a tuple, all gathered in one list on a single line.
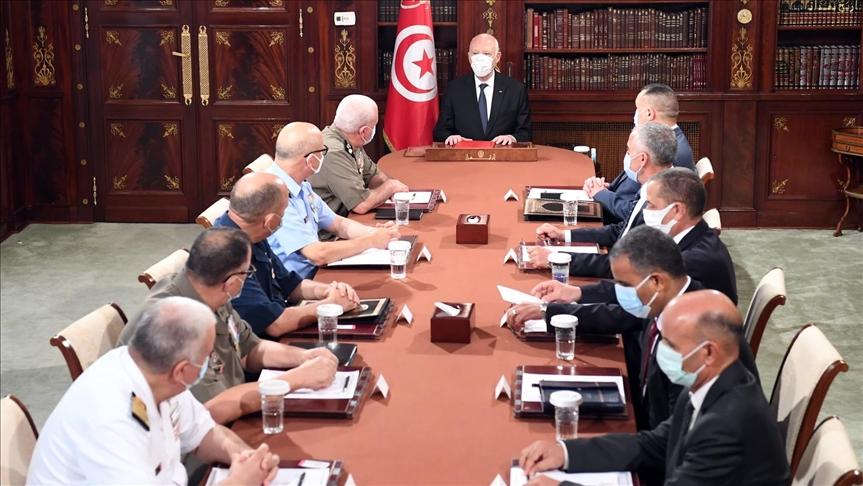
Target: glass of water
[(328, 323), (564, 335), (403, 203), (559, 263), (570, 208), (273, 405), (399, 250), (566, 403)]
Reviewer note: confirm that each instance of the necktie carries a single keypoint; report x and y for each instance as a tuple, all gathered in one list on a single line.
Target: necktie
[(684, 429), (652, 336), (483, 109), (635, 210)]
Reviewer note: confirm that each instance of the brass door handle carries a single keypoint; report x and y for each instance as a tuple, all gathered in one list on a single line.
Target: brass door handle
[(186, 64), (204, 66)]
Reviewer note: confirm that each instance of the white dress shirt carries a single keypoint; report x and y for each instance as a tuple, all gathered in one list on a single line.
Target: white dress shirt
[(679, 236), (489, 91), (697, 398), (642, 198), (92, 437)]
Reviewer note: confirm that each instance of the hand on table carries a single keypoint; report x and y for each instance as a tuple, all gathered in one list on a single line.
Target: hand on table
[(517, 314), (257, 466), (382, 235), (395, 185), (554, 291), (541, 480), (454, 139), (548, 230), (504, 140), (539, 256), (342, 294), (540, 456), (317, 370)]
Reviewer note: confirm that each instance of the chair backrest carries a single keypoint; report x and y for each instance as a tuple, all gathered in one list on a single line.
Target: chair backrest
[(808, 368), (713, 220), (18, 436), (828, 458), (259, 165), (91, 336), (769, 294), (169, 265), (705, 170), (212, 213)]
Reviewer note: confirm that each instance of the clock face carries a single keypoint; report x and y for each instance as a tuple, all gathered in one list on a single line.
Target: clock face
[(744, 16)]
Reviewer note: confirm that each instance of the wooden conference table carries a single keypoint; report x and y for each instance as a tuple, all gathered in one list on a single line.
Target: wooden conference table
[(441, 424)]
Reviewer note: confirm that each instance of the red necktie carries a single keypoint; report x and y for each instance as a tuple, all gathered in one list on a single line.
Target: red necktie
[(652, 337)]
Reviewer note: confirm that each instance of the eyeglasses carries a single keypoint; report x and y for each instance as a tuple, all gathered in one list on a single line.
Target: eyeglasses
[(322, 151), (247, 273)]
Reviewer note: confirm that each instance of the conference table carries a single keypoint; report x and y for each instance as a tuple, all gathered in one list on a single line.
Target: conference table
[(441, 423)]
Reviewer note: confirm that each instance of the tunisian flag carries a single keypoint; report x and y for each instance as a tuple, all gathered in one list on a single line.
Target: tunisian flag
[(412, 105)]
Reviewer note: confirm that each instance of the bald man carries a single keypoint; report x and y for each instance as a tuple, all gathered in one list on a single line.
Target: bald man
[(722, 430), (258, 201), (484, 105), (349, 179), (300, 153)]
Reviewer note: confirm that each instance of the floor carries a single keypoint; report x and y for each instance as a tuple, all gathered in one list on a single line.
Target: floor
[(51, 275)]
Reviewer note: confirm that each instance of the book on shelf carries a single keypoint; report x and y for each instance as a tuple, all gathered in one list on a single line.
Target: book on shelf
[(821, 13), (445, 60), (615, 28), (818, 67), (442, 10), (685, 72)]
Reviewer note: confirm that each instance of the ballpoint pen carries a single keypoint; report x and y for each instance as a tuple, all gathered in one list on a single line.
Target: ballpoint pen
[(347, 381), (302, 478)]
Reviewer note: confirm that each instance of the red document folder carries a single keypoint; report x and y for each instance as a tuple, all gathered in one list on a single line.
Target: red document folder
[(475, 144)]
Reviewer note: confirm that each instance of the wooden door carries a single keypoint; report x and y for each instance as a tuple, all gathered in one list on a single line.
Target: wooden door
[(184, 94)]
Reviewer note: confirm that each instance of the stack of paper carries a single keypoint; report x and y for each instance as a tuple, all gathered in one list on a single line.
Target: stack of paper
[(525, 250), (370, 257), (417, 197), (285, 476), (530, 383), (517, 297), (615, 478), (537, 193), (342, 387)]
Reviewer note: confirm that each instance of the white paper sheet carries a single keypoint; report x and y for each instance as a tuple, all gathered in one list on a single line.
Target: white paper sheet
[(417, 197), (525, 256), (516, 297), (530, 393), (536, 193), (371, 257), (285, 476), (535, 325), (615, 478), (336, 391)]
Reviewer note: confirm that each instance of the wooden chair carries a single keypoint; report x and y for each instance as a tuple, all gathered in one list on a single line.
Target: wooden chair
[(171, 264), (259, 165), (705, 170), (88, 338), (212, 213), (713, 219), (769, 294), (18, 436), (828, 458), (808, 368)]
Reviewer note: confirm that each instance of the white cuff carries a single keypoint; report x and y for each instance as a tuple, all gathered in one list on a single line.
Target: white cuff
[(565, 455), (567, 236)]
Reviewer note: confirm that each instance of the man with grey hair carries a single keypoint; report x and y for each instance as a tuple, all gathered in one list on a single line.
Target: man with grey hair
[(350, 180), (651, 149), (300, 153), (128, 418)]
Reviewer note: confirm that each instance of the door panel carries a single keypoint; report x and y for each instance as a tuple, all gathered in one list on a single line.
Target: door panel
[(240, 142), (250, 65), (143, 67)]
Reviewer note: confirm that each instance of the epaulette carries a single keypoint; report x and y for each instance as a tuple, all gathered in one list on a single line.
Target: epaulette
[(139, 412)]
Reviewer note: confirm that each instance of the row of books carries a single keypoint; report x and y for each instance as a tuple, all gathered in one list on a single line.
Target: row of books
[(615, 28), (818, 67), (618, 72), (445, 62), (442, 10), (821, 12)]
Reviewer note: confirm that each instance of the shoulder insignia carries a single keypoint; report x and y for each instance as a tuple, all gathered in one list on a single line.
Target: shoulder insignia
[(139, 412), (349, 149)]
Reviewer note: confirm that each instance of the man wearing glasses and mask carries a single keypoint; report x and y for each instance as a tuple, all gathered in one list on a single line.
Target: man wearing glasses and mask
[(300, 153)]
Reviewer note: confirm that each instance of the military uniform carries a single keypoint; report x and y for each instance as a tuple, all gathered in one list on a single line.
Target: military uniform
[(344, 178), (305, 215), (234, 338), (107, 429)]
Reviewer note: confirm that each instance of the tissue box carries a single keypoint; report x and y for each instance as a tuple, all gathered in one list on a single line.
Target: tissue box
[(452, 329), (472, 229)]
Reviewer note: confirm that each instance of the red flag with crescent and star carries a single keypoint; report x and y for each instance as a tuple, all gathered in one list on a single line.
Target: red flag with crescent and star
[(412, 104)]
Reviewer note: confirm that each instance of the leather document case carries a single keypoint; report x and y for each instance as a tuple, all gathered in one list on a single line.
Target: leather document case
[(344, 352), (594, 410), (333, 408), (360, 327)]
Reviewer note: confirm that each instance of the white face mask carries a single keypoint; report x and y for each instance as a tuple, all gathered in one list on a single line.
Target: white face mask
[(481, 65), (366, 142), (654, 217), (320, 162)]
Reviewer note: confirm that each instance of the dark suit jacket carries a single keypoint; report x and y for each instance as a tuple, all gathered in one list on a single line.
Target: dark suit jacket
[(734, 441), (597, 265), (459, 114), (622, 192), (707, 260)]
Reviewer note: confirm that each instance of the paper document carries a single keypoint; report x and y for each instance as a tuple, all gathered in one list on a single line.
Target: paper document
[(342, 388), (447, 309), (535, 325), (417, 197), (537, 193), (516, 297), (285, 476), (615, 478), (530, 393), (525, 255), (371, 257)]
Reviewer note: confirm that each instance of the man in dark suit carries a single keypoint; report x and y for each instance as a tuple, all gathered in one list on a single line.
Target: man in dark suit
[(722, 430), (484, 105), (656, 103), (650, 150)]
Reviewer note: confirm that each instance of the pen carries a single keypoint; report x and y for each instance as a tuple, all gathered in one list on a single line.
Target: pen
[(302, 477), (347, 380)]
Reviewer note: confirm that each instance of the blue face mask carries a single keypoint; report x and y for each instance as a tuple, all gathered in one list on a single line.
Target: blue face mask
[(671, 363), (628, 298), (200, 373), (632, 174)]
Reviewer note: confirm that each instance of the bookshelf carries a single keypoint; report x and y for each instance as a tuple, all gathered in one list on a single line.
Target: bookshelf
[(818, 45)]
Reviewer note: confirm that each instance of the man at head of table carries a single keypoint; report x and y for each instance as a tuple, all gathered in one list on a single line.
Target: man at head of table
[(722, 430), (484, 105), (300, 153)]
